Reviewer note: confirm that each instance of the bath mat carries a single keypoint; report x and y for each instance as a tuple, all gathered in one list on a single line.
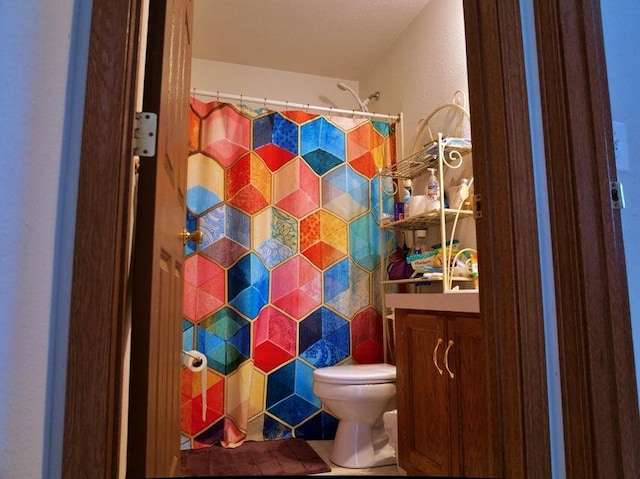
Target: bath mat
[(283, 457)]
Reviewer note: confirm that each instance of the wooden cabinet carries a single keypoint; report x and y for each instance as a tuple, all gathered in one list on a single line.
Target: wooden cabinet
[(443, 391)]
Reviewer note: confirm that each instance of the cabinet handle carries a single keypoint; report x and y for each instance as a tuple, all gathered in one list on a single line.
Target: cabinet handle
[(435, 356), (446, 358)]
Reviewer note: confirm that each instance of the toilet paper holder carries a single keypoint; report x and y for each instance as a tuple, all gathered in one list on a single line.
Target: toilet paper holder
[(197, 360)]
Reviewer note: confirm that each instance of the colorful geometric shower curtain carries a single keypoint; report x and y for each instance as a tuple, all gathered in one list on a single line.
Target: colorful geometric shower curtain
[(286, 277)]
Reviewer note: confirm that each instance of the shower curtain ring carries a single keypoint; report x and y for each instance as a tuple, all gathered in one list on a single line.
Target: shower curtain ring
[(217, 96), (286, 105), (330, 112), (265, 103)]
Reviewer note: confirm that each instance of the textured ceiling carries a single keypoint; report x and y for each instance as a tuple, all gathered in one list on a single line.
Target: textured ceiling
[(333, 38)]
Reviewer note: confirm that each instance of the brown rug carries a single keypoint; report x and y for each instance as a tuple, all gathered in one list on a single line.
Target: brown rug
[(285, 457)]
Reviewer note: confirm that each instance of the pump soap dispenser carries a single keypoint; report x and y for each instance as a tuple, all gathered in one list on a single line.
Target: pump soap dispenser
[(433, 191)]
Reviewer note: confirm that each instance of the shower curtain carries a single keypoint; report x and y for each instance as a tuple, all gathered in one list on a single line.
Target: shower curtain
[(286, 278)]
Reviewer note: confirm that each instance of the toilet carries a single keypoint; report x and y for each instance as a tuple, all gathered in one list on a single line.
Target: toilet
[(358, 395)]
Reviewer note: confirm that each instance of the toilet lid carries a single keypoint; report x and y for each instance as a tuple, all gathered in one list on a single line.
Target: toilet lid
[(356, 374)]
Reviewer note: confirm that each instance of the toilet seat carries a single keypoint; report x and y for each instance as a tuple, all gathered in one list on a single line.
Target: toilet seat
[(356, 374)]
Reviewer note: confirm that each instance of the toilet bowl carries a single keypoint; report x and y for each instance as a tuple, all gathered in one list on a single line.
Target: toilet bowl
[(358, 395)]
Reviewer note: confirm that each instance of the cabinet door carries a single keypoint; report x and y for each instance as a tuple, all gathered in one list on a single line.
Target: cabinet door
[(470, 413), (423, 407)]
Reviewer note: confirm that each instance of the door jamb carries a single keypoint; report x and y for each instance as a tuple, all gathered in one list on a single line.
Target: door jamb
[(95, 356), (597, 373), (507, 236)]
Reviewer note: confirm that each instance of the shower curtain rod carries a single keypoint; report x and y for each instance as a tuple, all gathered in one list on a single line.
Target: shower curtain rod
[(288, 104)]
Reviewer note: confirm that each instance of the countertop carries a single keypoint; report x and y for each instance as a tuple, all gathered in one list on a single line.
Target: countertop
[(463, 302)]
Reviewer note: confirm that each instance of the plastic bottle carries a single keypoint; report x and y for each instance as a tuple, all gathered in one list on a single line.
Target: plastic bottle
[(433, 187), (466, 193), (406, 198), (462, 194), (464, 189)]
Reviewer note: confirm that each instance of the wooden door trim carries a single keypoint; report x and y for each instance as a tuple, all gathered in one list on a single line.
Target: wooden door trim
[(96, 323), (500, 125), (510, 283), (599, 392)]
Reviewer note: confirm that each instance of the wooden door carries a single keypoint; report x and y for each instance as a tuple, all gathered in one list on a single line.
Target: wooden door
[(423, 407), (466, 366), (156, 342)]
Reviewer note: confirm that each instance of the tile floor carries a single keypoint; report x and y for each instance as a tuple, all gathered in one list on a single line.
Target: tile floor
[(323, 449)]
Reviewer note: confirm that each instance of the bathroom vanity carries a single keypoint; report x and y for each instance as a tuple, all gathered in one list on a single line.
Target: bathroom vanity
[(446, 423), (445, 385)]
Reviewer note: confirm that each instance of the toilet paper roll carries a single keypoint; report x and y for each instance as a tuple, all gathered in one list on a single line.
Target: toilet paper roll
[(197, 362)]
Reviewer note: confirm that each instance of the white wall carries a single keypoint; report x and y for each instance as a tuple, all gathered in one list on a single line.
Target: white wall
[(259, 82), (39, 138), (620, 20), (422, 70)]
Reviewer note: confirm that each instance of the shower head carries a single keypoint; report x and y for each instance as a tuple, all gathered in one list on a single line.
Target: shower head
[(374, 96), (363, 104)]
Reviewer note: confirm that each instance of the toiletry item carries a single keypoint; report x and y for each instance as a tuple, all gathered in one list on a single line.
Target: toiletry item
[(466, 201), (433, 187), (398, 211), (464, 190), (406, 198), (459, 194), (432, 192)]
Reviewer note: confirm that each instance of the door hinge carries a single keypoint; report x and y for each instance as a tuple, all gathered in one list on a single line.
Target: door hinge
[(477, 206), (144, 134), (617, 195)]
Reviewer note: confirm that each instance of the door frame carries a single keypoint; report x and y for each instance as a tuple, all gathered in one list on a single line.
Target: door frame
[(95, 357), (507, 242), (507, 237), (597, 373)]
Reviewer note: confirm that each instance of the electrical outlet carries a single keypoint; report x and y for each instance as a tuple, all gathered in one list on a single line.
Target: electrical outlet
[(620, 145)]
